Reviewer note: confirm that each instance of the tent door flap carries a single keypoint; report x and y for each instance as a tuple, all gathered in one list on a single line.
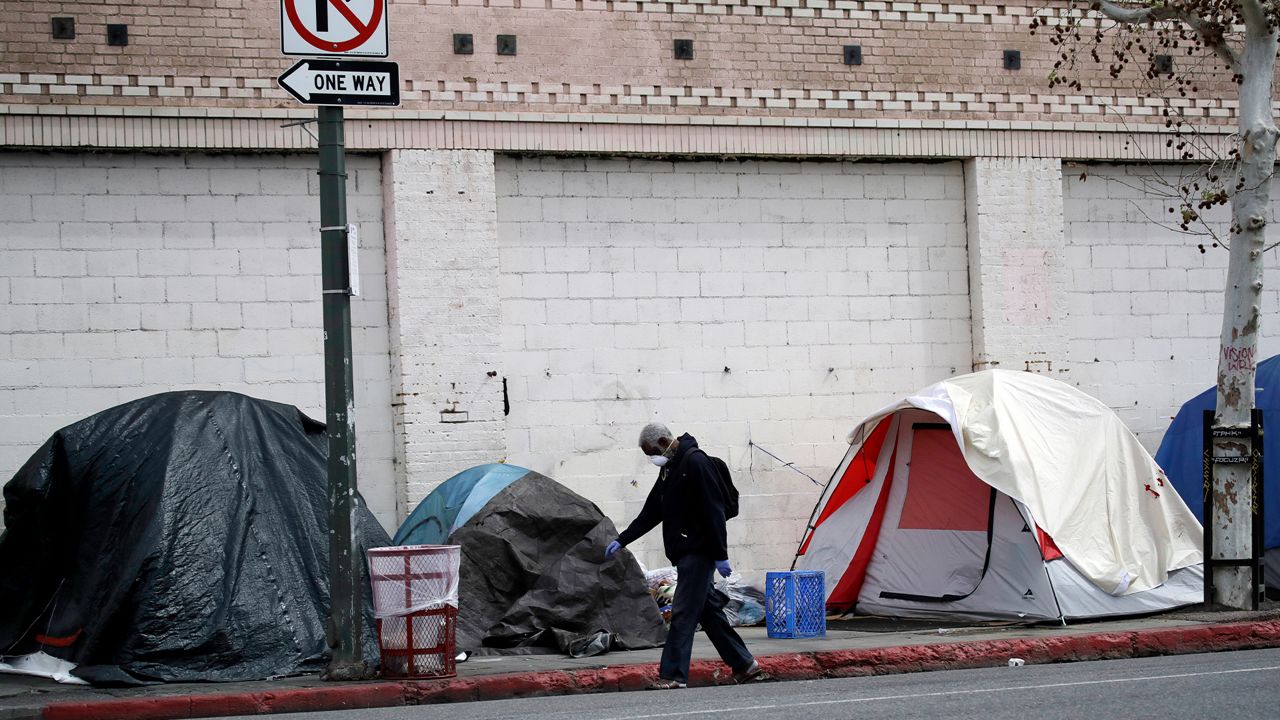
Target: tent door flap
[(986, 563)]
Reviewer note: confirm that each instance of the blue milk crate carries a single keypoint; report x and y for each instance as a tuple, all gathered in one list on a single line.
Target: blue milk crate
[(795, 604)]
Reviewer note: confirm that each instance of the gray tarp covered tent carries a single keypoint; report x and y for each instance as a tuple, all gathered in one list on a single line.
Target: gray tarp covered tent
[(180, 537), (533, 573)]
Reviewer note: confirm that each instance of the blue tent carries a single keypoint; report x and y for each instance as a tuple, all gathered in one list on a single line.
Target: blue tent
[(1181, 451), (454, 502)]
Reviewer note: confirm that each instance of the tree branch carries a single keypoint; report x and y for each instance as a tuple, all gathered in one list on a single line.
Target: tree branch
[(1255, 17), (1138, 16), (1158, 13)]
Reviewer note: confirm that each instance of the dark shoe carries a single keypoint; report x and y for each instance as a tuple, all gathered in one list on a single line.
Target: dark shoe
[(665, 684), (753, 673)]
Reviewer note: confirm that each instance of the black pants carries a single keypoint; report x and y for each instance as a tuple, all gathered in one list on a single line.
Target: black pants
[(698, 601)]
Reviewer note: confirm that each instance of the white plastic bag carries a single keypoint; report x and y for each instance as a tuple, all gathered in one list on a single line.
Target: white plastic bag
[(410, 578)]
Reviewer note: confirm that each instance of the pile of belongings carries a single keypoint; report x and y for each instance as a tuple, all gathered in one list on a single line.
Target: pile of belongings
[(745, 604), (662, 586)]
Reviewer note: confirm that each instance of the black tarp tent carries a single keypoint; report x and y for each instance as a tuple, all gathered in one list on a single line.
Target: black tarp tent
[(180, 537), (533, 573)]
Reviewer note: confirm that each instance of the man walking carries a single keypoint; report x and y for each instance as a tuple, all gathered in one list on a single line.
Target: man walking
[(689, 501)]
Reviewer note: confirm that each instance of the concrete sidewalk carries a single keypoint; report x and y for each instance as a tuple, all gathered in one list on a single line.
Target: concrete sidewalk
[(863, 646)]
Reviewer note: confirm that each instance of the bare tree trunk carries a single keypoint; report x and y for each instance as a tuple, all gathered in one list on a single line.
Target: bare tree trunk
[(1229, 515)]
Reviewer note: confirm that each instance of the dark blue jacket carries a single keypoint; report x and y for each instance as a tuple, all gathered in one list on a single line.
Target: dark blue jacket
[(689, 503)]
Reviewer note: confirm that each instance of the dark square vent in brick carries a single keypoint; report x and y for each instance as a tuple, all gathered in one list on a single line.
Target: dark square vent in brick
[(852, 54), (506, 44), (1012, 59), (118, 35), (463, 44), (63, 28), (684, 49), (1163, 64)]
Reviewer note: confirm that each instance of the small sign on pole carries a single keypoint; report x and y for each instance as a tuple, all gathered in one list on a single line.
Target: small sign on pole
[(353, 259)]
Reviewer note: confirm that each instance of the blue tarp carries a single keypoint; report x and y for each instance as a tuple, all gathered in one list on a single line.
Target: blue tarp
[(454, 502), (1181, 451)]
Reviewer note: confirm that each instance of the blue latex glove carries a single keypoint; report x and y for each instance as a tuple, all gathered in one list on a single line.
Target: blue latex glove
[(723, 567), (613, 547)]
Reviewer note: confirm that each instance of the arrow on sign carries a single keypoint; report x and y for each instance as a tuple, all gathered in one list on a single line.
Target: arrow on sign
[(308, 81), (343, 82)]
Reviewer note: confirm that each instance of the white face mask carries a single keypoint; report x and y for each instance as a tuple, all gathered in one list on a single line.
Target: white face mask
[(658, 460)]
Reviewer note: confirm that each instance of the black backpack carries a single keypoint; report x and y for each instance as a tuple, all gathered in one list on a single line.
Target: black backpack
[(727, 488)]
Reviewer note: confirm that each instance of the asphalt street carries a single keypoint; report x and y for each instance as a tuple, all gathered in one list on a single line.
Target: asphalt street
[(1223, 686)]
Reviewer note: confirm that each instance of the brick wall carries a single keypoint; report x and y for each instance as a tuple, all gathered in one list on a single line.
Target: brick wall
[(1145, 303), (126, 275), (767, 302), (929, 61)]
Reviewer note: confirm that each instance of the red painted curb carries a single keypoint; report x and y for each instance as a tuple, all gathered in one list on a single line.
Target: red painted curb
[(793, 666), (338, 697)]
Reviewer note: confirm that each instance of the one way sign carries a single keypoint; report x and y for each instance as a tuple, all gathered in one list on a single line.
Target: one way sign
[(343, 82)]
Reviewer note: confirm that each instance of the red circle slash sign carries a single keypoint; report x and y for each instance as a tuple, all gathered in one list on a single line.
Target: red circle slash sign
[(363, 30)]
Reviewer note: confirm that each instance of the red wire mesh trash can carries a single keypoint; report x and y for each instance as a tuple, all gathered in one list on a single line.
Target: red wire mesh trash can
[(415, 605)]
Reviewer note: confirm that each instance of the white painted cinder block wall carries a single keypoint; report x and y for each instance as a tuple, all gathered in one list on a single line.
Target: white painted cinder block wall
[(753, 301), (1017, 271), (124, 275), (442, 275), (607, 291), (1145, 303)]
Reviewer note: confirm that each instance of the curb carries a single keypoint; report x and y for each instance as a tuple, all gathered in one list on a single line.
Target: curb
[(792, 666)]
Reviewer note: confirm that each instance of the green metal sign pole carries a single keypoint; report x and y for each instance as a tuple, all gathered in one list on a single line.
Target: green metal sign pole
[(345, 616)]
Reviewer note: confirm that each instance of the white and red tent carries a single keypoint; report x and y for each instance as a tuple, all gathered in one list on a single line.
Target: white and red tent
[(1001, 494)]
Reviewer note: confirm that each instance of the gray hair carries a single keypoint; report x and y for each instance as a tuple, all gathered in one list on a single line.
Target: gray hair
[(653, 432)]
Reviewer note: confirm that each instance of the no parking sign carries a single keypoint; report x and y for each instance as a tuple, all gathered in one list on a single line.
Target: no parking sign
[(333, 27)]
